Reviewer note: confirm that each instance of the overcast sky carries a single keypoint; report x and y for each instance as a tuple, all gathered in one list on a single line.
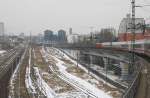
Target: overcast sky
[(37, 15)]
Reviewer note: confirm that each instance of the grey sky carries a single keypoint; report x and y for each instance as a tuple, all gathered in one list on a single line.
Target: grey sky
[(38, 15)]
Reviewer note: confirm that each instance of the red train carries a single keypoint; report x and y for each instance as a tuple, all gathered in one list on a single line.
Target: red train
[(141, 46)]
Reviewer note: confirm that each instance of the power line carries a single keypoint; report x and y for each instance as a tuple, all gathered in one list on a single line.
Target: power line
[(146, 10), (143, 7)]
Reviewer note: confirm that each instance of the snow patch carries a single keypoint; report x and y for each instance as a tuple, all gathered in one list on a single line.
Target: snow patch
[(43, 86)]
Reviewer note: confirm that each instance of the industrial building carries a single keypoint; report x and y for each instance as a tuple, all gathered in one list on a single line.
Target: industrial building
[(125, 29)]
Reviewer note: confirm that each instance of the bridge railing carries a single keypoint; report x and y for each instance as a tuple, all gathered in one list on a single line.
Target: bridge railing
[(131, 91)]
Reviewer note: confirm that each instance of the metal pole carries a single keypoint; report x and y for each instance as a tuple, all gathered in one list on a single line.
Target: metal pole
[(19, 82), (91, 59), (133, 33), (77, 59)]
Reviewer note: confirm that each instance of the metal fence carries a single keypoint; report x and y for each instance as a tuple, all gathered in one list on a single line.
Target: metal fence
[(131, 91)]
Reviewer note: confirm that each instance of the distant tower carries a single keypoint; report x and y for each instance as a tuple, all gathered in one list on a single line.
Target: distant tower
[(1, 29), (70, 31)]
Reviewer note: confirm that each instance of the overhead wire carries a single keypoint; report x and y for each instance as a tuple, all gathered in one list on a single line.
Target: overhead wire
[(147, 12), (144, 7)]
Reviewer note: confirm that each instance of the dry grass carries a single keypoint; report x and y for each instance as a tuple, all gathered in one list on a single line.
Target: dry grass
[(57, 84), (67, 61), (38, 60), (75, 70)]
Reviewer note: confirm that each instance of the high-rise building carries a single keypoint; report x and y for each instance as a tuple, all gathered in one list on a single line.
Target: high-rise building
[(48, 35), (1, 28), (62, 36)]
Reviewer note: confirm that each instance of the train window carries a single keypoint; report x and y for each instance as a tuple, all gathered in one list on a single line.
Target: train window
[(124, 46), (138, 46)]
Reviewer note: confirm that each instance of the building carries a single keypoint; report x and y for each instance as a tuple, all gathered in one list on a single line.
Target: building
[(48, 35), (21, 35), (125, 29), (70, 30), (106, 35), (73, 38), (1, 28), (147, 32), (62, 36), (40, 38)]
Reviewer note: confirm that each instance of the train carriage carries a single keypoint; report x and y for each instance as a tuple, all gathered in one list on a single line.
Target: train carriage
[(141, 46)]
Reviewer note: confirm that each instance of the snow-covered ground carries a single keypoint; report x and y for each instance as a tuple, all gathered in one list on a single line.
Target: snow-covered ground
[(60, 54), (2, 51), (75, 81), (102, 70), (67, 94), (38, 86), (42, 85), (28, 81), (82, 88), (49, 92)]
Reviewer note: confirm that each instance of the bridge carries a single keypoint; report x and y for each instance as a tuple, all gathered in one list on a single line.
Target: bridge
[(109, 46)]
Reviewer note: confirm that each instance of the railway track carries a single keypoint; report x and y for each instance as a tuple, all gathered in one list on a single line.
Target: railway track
[(73, 83), (6, 63), (116, 84), (135, 88), (7, 66)]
